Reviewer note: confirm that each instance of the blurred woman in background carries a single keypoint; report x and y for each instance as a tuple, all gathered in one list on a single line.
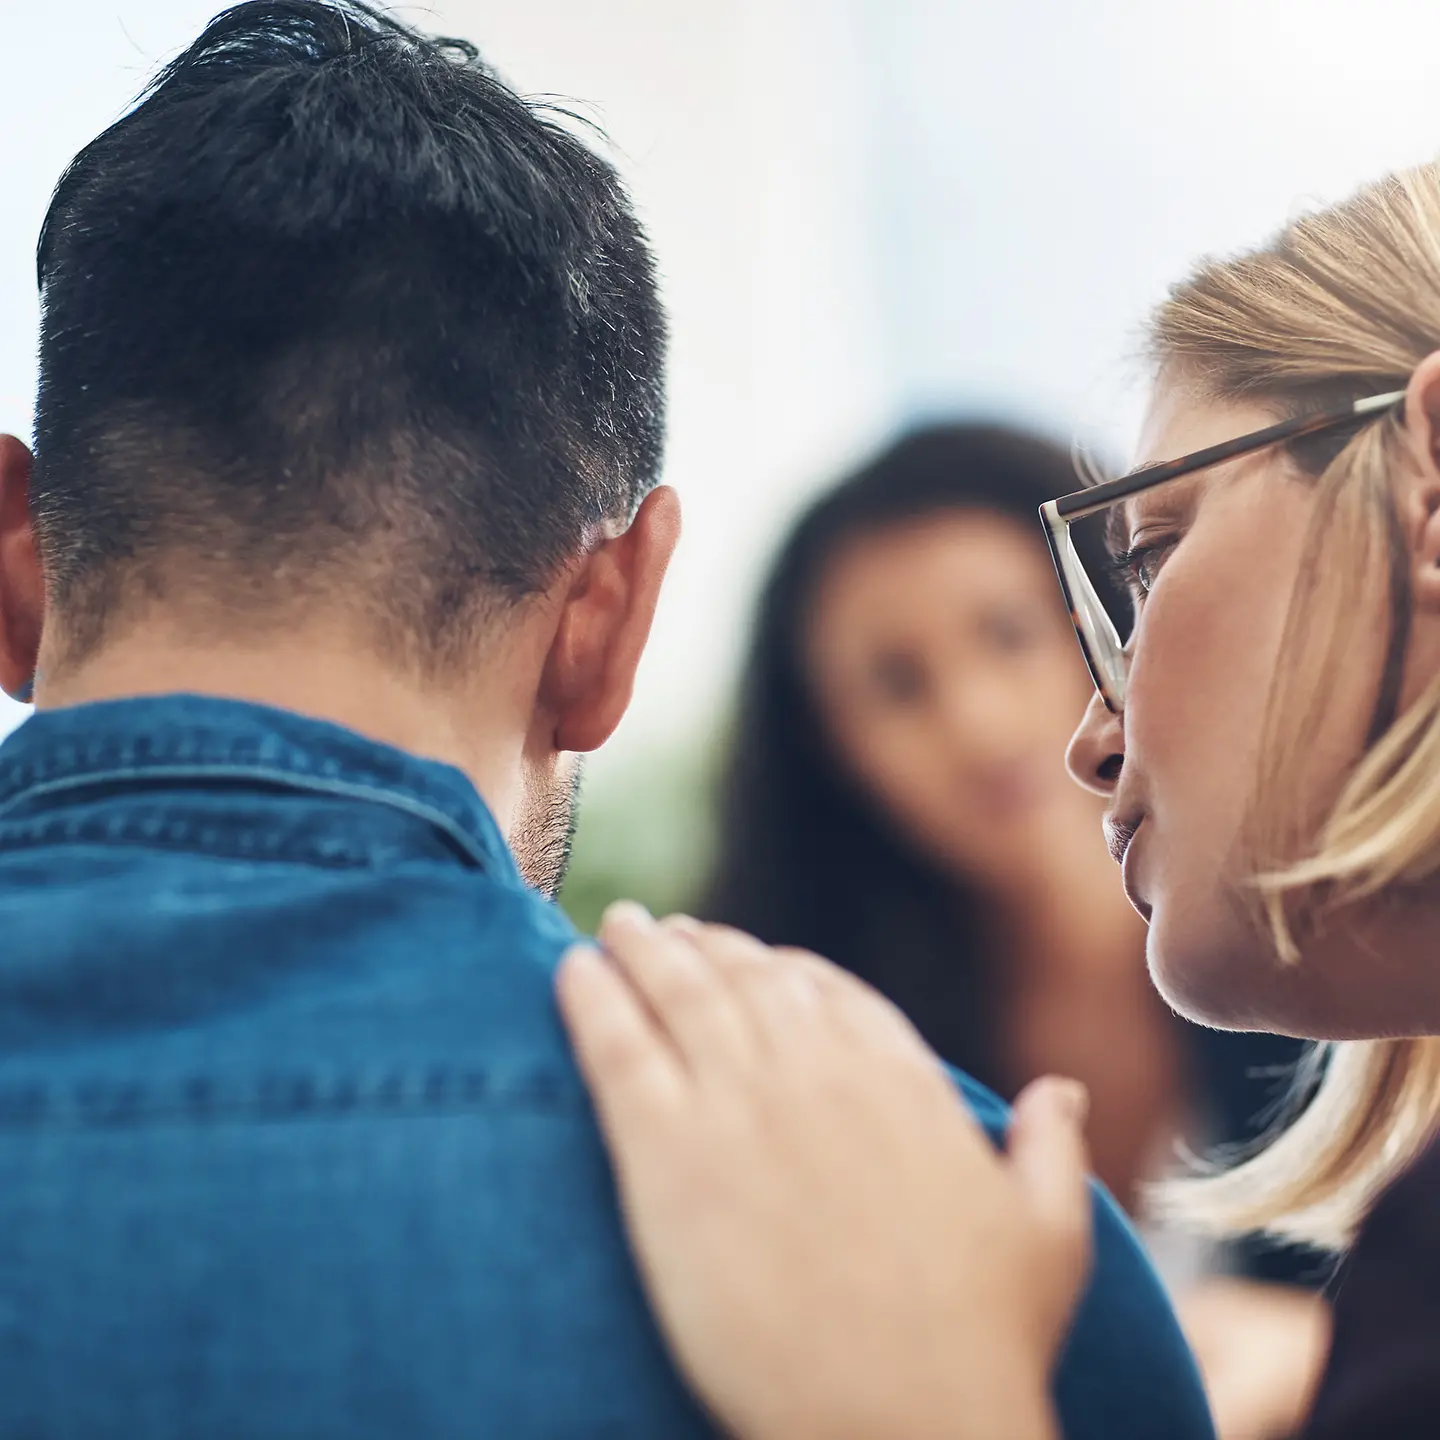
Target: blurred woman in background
[(897, 801)]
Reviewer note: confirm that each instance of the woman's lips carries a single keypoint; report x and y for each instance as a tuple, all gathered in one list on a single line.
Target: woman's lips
[(1120, 837), (1132, 894)]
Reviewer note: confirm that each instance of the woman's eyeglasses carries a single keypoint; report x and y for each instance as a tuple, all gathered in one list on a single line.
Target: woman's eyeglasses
[(1106, 652)]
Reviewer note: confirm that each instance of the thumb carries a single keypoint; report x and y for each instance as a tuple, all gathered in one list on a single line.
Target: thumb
[(1046, 1146)]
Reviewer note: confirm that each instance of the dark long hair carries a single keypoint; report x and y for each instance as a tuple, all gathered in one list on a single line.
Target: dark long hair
[(805, 857)]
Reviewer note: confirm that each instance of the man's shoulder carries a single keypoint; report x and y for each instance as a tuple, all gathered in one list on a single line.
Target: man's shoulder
[(368, 1173), (138, 963), (986, 1106)]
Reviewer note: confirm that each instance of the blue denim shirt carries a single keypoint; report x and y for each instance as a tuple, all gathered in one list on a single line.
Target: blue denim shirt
[(291, 1143)]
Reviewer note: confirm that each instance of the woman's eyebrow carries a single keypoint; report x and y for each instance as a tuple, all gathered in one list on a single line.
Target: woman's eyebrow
[(1117, 531), (1178, 492), (1117, 535)]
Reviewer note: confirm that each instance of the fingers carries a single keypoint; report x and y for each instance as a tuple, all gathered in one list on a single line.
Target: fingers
[(693, 1004), (1046, 1146), (720, 996), (624, 1056), (776, 996), (786, 994), (865, 1016)]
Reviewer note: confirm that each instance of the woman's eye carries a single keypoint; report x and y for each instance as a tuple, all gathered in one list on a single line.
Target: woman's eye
[(898, 679), (1139, 566), (1012, 631)]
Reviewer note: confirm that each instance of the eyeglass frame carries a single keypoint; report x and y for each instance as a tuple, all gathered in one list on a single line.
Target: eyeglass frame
[(1057, 515)]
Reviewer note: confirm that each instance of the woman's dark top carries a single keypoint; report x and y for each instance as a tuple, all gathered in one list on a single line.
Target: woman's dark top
[(1383, 1378)]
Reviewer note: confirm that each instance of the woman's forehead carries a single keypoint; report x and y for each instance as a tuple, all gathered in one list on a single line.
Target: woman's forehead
[(1181, 419)]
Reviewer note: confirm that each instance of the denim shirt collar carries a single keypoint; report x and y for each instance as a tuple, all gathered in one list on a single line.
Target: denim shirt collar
[(178, 738)]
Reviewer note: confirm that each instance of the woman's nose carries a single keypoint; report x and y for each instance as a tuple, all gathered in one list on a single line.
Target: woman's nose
[(1096, 751)]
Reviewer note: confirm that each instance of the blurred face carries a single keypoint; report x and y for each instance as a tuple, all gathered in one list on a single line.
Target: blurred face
[(948, 678), (1219, 556)]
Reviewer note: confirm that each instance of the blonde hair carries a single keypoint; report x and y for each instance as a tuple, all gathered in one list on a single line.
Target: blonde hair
[(1343, 303)]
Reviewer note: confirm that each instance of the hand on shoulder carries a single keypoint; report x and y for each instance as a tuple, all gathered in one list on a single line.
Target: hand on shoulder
[(832, 1245)]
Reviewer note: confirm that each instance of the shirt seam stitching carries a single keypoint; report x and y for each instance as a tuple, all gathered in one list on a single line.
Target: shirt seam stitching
[(200, 1100)]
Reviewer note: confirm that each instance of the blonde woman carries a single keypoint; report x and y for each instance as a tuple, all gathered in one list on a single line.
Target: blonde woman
[(1268, 741)]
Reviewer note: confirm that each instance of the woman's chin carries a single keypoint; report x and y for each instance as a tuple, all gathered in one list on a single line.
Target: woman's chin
[(1224, 976)]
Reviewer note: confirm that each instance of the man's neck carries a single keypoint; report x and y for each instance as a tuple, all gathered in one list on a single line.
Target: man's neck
[(312, 675)]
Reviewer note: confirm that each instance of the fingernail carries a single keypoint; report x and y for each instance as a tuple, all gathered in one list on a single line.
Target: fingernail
[(628, 912), (683, 924), (1072, 1099), (581, 970), (581, 958), (805, 989)]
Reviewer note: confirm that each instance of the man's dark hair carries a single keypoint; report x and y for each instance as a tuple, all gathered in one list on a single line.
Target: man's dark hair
[(332, 295)]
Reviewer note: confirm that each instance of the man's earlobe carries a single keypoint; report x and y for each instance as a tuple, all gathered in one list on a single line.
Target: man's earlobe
[(607, 623)]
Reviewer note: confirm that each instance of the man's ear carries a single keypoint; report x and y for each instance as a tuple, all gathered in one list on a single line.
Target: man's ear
[(590, 671), (22, 581)]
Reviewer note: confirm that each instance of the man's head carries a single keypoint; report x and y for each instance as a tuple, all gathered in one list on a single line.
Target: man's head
[(337, 325)]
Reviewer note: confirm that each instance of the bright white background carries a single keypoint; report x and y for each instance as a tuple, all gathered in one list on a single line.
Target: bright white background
[(865, 210)]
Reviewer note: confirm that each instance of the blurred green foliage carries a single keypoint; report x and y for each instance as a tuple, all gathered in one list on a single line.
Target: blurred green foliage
[(646, 833)]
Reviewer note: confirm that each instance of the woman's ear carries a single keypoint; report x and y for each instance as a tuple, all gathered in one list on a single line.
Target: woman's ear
[(22, 581), (589, 673), (1426, 558), (1420, 501)]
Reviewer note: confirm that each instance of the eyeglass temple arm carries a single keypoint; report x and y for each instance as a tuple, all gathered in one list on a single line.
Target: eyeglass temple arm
[(1086, 502)]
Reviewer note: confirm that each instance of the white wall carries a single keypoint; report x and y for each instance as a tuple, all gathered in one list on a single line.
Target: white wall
[(1043, 169)]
